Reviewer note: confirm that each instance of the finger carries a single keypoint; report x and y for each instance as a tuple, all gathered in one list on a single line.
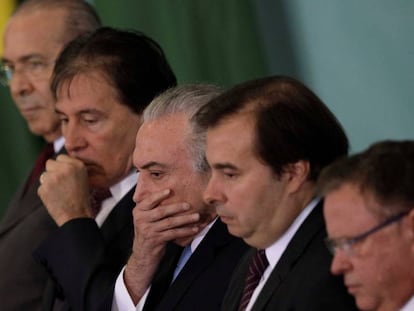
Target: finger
[(42, 177), (66, 158), (153, 200), (178, 233), (165, 211), (176, 222)]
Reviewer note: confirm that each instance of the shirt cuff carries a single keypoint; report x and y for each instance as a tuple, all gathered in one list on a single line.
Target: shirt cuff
[(122, 301)]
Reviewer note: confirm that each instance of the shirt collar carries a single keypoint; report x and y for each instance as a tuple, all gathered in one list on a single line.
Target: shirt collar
[(275, 251)]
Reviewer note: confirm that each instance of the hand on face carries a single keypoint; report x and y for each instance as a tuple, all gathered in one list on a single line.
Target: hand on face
[(157, 223), (64, 189)]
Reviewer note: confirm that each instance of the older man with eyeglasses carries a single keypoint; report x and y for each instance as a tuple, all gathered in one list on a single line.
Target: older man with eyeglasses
[(369, 211)]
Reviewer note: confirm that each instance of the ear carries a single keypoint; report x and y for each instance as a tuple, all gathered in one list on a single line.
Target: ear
[(297, 174)]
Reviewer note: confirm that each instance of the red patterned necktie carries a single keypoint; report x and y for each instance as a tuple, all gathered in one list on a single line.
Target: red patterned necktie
[(97, 196), (257, 266)]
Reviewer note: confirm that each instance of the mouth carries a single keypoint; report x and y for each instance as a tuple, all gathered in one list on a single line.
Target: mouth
[(225, 219), (28, 111), (352, 288)]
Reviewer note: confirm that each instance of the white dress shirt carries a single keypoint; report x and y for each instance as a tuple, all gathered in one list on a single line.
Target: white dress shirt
[(275, 251), (58, 144), (409, 306), (122, 300), (118, 191)]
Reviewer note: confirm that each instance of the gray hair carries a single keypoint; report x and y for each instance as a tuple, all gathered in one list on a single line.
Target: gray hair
[(81, 16), (187, 99)]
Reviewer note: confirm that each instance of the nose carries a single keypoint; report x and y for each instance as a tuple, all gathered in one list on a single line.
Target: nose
[(340, 262), (20, 84), (140, 189), (212, 194), (74, 140)]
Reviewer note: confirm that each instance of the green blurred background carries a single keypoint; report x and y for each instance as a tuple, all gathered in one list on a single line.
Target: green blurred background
[(357, 55)]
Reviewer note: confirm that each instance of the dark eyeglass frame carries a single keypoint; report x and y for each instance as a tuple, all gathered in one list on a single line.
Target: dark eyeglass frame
[(346, 244)]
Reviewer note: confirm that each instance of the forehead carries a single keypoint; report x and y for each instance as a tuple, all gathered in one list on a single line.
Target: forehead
[(164, 139), (235, 134), (27, 33), (346, 211), (86, 90)]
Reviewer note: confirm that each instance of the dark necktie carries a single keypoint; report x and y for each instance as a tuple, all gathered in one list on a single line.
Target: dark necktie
[(39, 166), (257, 266), (97, 196)]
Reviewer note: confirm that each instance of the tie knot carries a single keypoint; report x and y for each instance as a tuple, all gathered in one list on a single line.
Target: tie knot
[(97, 196), (259, 262)]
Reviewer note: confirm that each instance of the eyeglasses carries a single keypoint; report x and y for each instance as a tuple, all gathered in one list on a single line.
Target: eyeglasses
[(32, 68), (346, 244)]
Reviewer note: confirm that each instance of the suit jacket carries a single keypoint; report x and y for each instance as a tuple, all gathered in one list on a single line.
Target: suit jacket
[(202, 282), (24, 226), (301, 280), (84, 260)]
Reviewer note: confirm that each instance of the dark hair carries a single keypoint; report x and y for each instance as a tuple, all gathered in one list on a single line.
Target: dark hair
[(385, 170), (81, 17), (131, 62), (292, 123)]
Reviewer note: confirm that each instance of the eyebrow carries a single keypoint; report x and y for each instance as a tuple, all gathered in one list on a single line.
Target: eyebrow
[(152, 164), (24, 58), (81, 112), (223, 166)]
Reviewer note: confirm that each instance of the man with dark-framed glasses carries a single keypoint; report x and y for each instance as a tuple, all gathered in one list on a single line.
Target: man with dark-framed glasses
[(369, 203)]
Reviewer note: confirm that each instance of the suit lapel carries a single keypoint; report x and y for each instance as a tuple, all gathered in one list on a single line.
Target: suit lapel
[(21, 207), (297, 246), (116, 220), (23, 204), (163, 275), (215, 240)]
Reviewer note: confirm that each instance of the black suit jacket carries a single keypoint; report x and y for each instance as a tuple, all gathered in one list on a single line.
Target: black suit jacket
[(84, 260), (301, 280), (24, 226), (202, 282)]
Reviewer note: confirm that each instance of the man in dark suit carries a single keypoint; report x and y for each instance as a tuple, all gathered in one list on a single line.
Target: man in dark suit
[(267, 141), (102, 82), (34, 36), (170, 212)]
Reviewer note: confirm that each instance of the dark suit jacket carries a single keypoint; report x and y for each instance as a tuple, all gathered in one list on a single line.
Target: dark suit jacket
[(23, 227), (202, 282), (84, 260), (301, 280)]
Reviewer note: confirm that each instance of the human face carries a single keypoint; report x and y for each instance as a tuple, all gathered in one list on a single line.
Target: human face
[(162, 157), (98, 129), (378, 273), (248, 196), (30, 48)]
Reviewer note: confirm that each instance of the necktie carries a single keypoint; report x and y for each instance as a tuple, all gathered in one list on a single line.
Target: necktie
[(97, 196), (257, 266), (182, 261), (39, 166)]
